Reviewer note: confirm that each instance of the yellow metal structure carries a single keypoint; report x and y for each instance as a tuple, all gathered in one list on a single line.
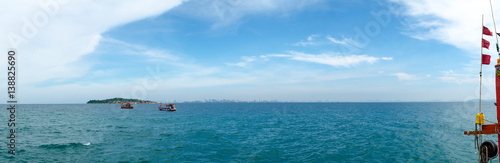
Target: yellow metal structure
[(480, 118)]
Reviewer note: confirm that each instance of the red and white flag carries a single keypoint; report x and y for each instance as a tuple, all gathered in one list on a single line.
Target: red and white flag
[(486, 44), (487, 31), (485, 59)]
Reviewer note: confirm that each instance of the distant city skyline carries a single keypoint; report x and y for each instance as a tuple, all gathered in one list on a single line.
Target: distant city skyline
[(296, 50)]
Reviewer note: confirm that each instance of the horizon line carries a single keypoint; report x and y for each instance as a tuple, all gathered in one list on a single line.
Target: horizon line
[(266, 102)]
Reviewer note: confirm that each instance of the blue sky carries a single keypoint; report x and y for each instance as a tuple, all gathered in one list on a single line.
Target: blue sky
[(339, 50)]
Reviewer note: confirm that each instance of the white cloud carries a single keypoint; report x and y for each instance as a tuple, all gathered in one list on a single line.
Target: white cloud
[(151, 54), (315, 40), (309, 41), (447, 72), (52, 36), (344, 41), (449, 76), (404, 76), (332, 59), (310, 38), (227, 12), (387, 58), (245, 63), (452, 22)]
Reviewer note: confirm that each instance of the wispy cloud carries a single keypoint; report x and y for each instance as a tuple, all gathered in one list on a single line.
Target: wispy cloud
[(228, 12), (404, 76), (316, 39), (245, 62), (150, 54), (331, 59), (449, 76), (387, 58), (343, 41), (311, 40)]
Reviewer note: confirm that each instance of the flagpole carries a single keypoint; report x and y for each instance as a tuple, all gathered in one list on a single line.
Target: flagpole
[(494, 26), (481, 70), (479, 138)]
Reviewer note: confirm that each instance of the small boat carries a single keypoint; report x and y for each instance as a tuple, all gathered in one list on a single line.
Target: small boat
[(127, 106), (170, 107), (166, 109)]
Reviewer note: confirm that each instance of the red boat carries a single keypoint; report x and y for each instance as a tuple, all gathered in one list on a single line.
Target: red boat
[(127, 106), (170, 107), (487, 150)]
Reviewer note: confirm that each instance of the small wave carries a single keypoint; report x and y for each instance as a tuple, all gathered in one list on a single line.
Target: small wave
[(165, 135), (64, 146)]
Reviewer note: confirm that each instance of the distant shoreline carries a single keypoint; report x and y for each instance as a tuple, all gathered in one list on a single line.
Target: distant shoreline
[(117, 100)]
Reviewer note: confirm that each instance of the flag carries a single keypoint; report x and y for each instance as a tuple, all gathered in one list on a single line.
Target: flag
[(498, 34), (485, 59), (486, 44), (487, 31)]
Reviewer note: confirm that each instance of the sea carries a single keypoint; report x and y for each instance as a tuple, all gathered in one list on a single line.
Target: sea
[(245, 132)]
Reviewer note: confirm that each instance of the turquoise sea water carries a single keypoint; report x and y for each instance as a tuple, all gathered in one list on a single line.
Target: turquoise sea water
[(245, 132)]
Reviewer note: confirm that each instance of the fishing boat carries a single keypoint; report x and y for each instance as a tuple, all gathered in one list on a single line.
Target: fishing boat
[(127, 106), (487, 150), (168, 107)]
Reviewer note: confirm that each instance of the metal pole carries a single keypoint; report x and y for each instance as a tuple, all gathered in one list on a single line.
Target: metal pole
[(480, 86), (496, 77), (481, 70)]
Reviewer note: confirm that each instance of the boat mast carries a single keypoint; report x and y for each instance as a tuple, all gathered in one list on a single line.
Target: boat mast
[(495, 28)]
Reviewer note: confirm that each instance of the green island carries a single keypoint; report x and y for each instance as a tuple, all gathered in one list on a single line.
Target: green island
[(120, 100)]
